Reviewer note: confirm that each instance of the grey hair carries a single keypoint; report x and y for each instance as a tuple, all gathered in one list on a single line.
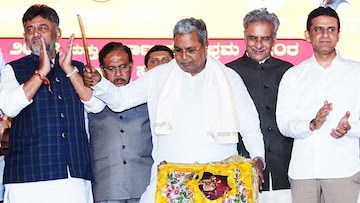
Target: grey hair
[(189, 25), (262, 15)]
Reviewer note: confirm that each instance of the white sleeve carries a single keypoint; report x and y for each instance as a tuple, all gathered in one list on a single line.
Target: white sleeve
[(12, 95), (289, 123), (2, 61), (94, 105), (124, 97)]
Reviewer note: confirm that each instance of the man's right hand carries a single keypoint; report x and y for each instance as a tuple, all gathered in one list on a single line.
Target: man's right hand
[(44, 61), (259, 165), (320, 117), (91, 76)]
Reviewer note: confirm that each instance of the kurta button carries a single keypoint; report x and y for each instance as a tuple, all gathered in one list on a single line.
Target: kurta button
[(59, 97), (122, 130), (124, 162), (62, 115), (269, 128), (63, 135), (265, 86), (268, 149), (268, 107), (57, 79), (123, 146), (121, 117)]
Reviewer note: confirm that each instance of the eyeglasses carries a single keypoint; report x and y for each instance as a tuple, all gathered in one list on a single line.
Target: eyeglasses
[(112, 69), (188, 51)]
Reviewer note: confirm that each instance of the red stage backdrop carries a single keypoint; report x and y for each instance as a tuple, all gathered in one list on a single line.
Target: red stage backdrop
[(226, 50)]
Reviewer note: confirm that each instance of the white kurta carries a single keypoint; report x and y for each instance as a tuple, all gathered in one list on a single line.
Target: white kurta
[(188, 141), (302, 92)]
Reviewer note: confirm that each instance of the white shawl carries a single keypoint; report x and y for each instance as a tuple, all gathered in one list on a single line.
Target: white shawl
[(218, 102)]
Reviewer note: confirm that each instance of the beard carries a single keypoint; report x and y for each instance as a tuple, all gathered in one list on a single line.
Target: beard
[(35, 46)]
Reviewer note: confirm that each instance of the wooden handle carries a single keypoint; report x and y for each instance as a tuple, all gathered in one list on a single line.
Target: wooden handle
[(84, 40)]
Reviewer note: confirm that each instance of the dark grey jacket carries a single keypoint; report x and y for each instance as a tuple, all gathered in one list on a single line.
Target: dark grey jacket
[(120, 148)]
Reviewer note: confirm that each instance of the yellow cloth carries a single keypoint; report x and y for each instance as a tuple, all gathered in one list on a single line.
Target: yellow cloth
[(182, 181)]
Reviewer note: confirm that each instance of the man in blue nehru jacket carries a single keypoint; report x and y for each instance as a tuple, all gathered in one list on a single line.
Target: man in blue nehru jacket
[(49, 159)]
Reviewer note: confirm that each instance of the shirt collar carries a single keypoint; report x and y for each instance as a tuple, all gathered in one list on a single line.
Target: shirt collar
[(260, 62)]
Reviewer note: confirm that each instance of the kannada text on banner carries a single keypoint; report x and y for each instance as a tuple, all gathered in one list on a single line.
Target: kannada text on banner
[(226, 50)]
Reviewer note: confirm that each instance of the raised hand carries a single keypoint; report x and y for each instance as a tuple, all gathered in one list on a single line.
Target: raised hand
[(91, 76), (65, 56), (343, 126), (44, 61), (321, 115)]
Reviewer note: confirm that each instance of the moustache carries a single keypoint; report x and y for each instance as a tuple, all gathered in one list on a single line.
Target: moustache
[(116, 80), (36, 38), (260, 49)]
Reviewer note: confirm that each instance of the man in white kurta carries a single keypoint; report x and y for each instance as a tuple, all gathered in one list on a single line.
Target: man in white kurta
[(319, 106), (188, 142), (189, 119), (302, 91)]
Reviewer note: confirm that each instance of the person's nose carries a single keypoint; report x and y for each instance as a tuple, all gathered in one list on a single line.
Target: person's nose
[(37, 31), (183, 54), (325, 33), (259, 43), (118, 71)]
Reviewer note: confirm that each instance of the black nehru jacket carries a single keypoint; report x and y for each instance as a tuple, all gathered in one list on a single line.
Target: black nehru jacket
[(262, 81)]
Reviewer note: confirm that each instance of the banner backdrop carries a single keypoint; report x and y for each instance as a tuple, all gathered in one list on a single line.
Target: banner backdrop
[(225, 50), (143, 23)]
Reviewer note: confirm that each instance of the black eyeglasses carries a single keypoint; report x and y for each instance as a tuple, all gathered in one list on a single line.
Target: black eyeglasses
[(112, 69)]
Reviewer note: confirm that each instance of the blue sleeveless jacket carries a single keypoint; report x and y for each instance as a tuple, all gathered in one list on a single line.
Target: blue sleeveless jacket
[(48, 137)]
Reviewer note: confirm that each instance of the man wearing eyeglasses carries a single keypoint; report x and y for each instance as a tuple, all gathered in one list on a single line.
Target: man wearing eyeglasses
[(120, 143), (196, 105)]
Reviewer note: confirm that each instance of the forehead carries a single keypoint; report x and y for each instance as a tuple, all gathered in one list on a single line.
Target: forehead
[(116, 56), (186, 40), (259, 28), (159, 54), (324, 21), (38, 20)]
